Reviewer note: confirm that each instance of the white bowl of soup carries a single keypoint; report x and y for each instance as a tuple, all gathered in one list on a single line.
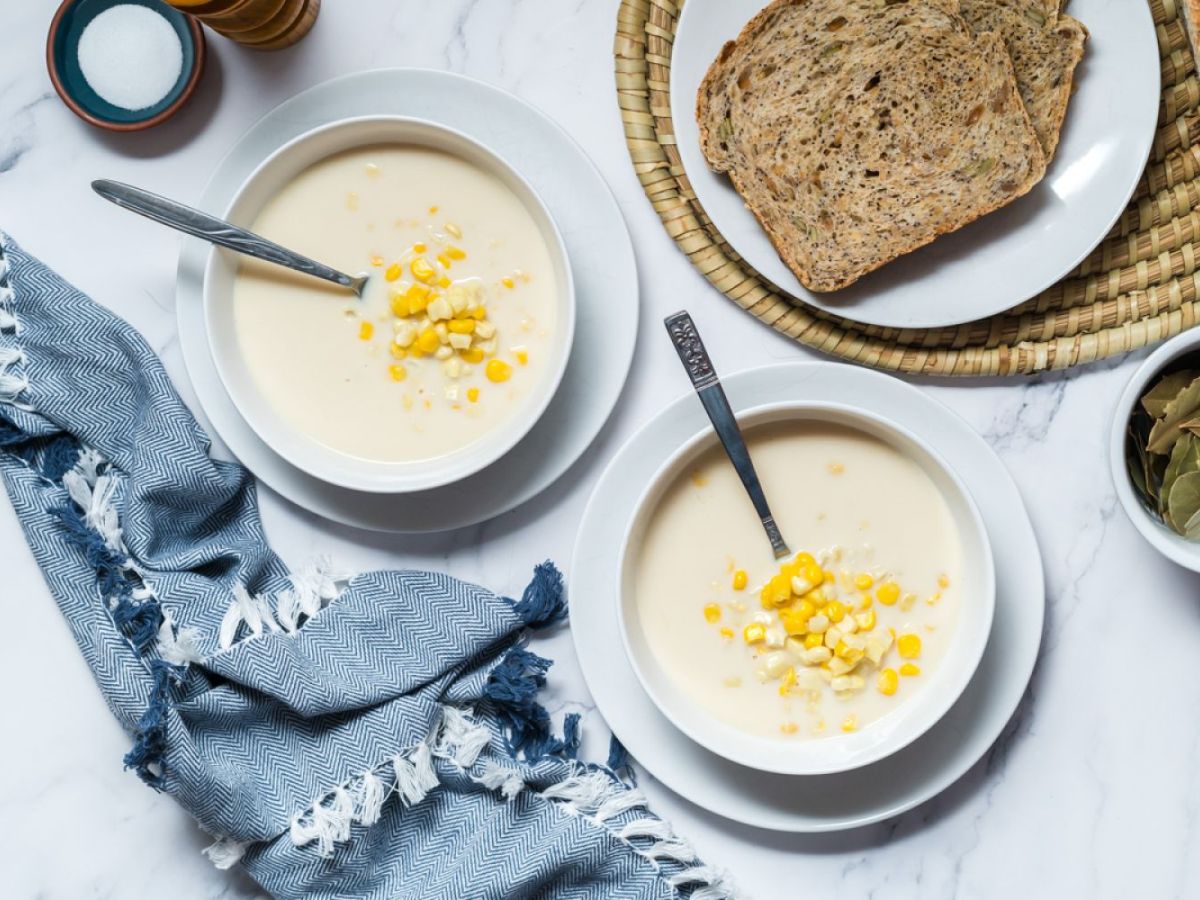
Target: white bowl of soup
[(460, 339), (845, 651)]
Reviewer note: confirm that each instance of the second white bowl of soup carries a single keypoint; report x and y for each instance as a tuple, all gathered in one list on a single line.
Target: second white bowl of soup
[(839, 655), (463, 332)]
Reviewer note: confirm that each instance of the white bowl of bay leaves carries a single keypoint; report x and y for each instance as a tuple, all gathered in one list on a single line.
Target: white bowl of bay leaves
[(1154, 450)]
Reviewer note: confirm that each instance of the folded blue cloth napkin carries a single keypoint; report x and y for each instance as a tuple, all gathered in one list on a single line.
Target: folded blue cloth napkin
[(368, 736)]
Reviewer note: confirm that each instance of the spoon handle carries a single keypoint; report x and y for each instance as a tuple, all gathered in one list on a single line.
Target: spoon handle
[(704, 378), (218, 231)]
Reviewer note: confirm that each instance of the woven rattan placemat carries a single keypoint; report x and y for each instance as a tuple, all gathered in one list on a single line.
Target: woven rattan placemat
[(1138, 287)]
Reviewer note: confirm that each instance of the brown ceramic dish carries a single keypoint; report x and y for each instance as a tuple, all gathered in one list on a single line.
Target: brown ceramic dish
[(63, 64)]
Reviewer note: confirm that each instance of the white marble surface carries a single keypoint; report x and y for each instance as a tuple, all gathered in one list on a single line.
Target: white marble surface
[(1093, 792)]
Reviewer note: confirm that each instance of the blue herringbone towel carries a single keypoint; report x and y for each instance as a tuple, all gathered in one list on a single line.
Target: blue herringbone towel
[(374, 736)]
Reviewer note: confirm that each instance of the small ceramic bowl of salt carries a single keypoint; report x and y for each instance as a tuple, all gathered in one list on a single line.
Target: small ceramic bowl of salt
[(124, 65)]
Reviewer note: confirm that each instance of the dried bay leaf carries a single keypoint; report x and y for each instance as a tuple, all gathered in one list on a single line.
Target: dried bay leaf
[(1165, 390), (1184, 407), (1191, 530), (1192, 425), (1185, 457), (1184, 501)]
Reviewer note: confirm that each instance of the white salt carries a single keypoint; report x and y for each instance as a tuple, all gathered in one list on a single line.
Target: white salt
[(130, 56)]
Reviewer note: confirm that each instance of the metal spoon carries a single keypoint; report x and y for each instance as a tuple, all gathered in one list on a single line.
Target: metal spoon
[(704, 378), (218, 231)]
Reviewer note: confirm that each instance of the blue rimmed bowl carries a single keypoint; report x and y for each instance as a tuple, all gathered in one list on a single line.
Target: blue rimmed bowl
[(62, 60)]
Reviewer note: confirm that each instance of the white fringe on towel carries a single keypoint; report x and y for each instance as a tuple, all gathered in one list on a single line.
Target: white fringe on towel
[(311, 590), (411, 777)]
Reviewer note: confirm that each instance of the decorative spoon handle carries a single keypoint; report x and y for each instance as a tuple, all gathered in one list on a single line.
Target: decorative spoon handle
[(700, 369), (218, 231)]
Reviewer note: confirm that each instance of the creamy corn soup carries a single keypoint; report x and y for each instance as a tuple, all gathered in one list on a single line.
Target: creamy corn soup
[(829, 640), (454, 333)]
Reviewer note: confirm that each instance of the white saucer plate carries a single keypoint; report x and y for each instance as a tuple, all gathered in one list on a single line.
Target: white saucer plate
[(1003, 258), (602, 263), (810, 803)]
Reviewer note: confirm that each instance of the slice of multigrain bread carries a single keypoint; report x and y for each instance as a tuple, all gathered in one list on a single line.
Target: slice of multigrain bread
[(860, 130), (1045, 46)]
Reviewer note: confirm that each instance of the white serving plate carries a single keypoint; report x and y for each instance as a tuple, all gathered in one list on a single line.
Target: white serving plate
[(300, 449), (1002, 259), (911, 718), (602, 264), (810, 803), (1159, 535)]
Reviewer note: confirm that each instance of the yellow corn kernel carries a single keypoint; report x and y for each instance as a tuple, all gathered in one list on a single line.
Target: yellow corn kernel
[(479, 312), (473, 355), (419, 247), (910, 669), (789, 727), (739, 580), (806, 608), (417, 297), (453, 230), (835, 611), (793, 622), (455, 252), (498, 371), (443, 260), (813, 640), (863, 581), (755, 633), (422, 270), (850, 723), (844, 651), (398, 372), (473, 394), (727, 633), (787, 680), (433, 210), (813, 574), (461, 326), (909, 646), (508, 282), (444, 282), (865, 601), (397, 351), (712, 613), (816, 597), (377, 261), (365, 331), (776, 592), (428, 340), (804, 559), (887, 681), (836, 468), (399, 304), (521, 354), (888, 593), (865, 620), (943, 582), (393, 273)]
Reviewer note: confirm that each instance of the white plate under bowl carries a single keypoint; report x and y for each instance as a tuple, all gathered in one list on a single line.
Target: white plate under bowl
[(1003, 258), (305, 452), (810, 803), (909, 719), (602, 264)]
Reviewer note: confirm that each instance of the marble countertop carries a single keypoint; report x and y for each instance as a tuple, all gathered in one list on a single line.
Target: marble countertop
[(1094, 790)]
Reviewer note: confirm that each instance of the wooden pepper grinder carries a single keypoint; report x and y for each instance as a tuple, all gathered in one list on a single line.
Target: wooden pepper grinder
[(261, 24)]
